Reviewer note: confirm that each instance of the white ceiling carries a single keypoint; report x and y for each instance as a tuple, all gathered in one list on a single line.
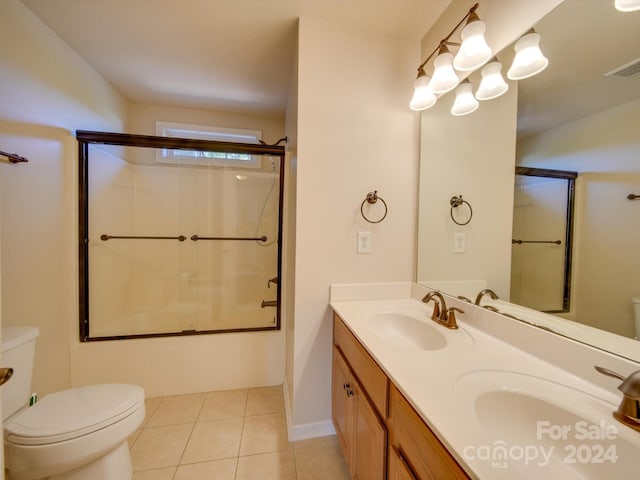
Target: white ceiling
[(583, 40), (216, 54)]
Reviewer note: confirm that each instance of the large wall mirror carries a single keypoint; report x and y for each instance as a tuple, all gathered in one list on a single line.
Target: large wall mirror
[(575, 116)]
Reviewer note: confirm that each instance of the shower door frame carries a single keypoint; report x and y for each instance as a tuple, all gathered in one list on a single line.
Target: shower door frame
[(86, 138), (568, 245)]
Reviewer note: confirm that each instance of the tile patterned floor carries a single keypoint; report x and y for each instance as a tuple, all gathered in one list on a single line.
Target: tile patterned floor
[(228, 435)]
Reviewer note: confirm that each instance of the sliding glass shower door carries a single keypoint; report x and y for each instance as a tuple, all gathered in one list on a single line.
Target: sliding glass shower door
[(179, 240)]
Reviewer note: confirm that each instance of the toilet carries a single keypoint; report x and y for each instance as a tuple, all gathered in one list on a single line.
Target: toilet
[(636, 315), (75, 434)]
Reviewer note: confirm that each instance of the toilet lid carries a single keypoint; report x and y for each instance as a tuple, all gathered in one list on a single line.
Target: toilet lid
[(72, 413)]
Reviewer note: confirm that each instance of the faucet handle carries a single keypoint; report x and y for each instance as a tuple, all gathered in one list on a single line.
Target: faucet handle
[(449, 317), (630, 385)]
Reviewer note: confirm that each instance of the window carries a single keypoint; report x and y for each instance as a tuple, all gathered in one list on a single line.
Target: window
[(200, 158)]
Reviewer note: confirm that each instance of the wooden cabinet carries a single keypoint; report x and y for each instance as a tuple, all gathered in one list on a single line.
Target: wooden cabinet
[(398, 468), (360, 427), (421, 451), (368, 410)]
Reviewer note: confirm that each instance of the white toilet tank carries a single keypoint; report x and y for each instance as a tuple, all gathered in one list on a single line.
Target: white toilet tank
[(18, 350)]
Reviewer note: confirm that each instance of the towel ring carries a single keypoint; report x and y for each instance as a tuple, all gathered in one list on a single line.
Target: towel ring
[(455, 202), (372, 197)]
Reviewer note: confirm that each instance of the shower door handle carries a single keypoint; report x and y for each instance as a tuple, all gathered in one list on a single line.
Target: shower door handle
[(5, 375)]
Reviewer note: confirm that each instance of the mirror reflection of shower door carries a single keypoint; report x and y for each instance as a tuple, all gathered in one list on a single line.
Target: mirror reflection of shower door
[(541, 241)]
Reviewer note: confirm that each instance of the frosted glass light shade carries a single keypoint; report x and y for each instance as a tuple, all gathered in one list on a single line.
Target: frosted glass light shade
[(465, 102), (529, 59), (474, 51), (423, 97), (444, 76), (627, 5), (492, 84)]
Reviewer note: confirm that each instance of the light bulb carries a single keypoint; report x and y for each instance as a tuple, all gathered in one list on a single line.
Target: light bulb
[(529, 59), (444, 76), (627, 5), (474, 51), (423, 97), (465, 102), (492, 84)]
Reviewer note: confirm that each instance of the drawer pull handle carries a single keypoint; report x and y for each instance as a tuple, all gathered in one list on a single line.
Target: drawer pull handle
[(5, 375)]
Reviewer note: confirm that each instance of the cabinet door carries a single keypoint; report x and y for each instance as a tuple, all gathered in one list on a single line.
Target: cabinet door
[(398, 469), (343, 408), (429, 459), (371, 440)]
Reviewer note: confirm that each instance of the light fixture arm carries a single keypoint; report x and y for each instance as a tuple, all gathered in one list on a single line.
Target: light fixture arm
[(445, 41)]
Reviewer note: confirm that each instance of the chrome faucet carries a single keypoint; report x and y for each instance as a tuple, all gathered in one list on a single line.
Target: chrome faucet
[(482, 293), (441, 314), (628, 412)]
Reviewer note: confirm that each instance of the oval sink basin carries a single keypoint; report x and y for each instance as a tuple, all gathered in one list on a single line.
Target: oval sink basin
[(406, 331), (527, 427)]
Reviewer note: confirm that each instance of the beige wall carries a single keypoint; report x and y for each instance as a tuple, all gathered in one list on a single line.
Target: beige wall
[(355, 135), (605, 149), (46, 92), (289, 230), (472, 156)]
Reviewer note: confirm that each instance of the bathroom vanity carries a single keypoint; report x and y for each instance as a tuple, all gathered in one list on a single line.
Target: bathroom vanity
[(414, 400), (372, 416)]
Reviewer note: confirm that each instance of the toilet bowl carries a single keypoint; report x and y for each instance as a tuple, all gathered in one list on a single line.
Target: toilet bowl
[(75, 434)]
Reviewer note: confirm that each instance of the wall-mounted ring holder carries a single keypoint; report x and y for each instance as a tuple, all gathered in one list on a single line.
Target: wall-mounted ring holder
[(457, 201), (372, 198)]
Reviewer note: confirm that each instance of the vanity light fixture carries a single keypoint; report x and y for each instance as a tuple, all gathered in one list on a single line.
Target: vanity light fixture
[(529, 59), (473, 53), (423, 97), (627, 5), (492, 84), (465, 102)]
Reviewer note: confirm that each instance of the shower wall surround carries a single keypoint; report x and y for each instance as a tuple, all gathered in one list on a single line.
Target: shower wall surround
[(177, 285)]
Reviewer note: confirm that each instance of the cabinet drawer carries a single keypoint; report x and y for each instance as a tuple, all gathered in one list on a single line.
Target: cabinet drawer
[(370, 375), (421, 449), (398, 468)]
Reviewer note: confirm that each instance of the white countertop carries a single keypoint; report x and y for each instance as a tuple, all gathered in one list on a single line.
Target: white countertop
[(437, 382)]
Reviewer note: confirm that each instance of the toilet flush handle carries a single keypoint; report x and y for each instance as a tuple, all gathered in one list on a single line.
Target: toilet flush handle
[(5, 374)]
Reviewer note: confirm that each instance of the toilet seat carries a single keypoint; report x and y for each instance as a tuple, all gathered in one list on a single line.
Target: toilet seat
[(73, 413)]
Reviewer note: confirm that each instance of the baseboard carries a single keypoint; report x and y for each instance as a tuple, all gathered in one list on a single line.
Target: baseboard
[(306, 430)]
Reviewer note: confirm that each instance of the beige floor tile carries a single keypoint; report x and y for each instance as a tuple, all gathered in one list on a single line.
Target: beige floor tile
[(214, 440), (226, 404), (159, 474), (177, 409), (321, 462), (267, 466), (265, 400), (316, 442), (150, 405), (160, 446), (217, 470), (264, 433)]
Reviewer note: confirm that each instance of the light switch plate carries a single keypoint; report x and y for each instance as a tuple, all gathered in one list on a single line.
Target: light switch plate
[(364, 242), (459, 242)]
